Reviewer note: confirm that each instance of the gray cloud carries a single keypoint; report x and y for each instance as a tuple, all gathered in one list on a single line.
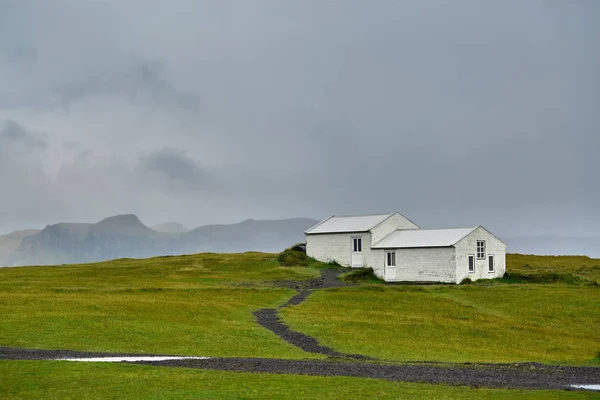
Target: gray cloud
[(14, 132), (142, 84), (452, 113), (176, 169)]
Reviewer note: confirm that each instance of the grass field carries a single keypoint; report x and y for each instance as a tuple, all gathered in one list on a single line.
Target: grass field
[(190, 305), (61, 380), (509, 323), (548, 269), (545, 310)]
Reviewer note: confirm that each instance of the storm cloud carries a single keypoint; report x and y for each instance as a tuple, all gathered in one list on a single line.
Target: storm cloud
[(453, 113)]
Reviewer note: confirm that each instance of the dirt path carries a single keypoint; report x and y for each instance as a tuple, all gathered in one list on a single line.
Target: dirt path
[(268, 317), (517, 376)]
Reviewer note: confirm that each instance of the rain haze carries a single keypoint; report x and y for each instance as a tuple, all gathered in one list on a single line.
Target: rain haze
[(454, 113)]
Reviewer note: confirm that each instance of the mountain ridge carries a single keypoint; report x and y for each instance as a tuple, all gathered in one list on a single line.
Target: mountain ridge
[(125, 235)]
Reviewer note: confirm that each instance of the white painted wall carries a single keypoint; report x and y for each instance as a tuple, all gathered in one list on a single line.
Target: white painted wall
[(468, 246), (421, 265), (328, 247), (396, 221)]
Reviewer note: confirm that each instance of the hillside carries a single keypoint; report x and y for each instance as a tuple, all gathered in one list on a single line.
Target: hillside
[(9, 243), (125, 236), (170, 227)]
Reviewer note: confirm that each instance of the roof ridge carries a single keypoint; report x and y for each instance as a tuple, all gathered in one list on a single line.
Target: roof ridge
[(363, 215), (438, 229)]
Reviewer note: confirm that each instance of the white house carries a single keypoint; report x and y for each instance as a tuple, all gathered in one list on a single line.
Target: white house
[(399, 251)]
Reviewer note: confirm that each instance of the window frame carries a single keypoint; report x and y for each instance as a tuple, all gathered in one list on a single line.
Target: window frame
[(469, 258), (492, 263), (482, 252), (389, 253), (357, 244)]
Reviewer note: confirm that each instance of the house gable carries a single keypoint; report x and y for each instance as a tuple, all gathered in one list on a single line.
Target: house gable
[(348, 223), (392, 223)]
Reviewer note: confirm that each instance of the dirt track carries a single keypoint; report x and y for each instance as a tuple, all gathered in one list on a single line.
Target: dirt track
[(268, 318), (518, 376)]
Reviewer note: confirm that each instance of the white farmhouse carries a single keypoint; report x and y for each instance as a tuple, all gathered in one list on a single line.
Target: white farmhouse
[(399, 251)]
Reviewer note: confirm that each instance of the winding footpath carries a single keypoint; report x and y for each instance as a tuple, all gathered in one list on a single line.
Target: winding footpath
[(516, 376), (268, 318)]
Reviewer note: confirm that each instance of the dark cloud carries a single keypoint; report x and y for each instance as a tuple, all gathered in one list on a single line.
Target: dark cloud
[(16, 133), (453, 113), (176, 169), (142, 84)]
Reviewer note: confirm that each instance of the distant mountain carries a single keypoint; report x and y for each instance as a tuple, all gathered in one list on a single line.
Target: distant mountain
[(170, 227), (9, 243), (126, 236)]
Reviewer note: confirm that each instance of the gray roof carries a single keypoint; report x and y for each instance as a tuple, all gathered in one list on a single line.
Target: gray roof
[(411, 238), (348, 223)]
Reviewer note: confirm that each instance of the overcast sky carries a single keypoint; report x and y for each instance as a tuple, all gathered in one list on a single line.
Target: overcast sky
[(455, 113)]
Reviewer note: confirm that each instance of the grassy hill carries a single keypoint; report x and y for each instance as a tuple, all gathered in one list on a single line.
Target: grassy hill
[(202, 305)]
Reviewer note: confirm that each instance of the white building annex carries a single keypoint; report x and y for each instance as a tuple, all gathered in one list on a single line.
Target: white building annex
[(399, 251)]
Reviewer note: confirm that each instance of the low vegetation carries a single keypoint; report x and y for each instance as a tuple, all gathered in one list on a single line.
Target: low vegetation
[(552, 269), (82, 381), (361, 275), (294, 256)]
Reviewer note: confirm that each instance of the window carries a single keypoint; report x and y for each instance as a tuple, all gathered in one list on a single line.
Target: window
[(391, 259), (491, 263), (357, 245), (471, 264), (481, 249)]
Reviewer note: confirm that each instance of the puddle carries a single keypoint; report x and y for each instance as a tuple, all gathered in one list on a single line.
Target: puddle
[(587, 387), (131, 359)]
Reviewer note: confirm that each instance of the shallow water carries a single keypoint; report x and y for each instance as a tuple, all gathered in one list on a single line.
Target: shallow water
[(131, 359), (587, 387)]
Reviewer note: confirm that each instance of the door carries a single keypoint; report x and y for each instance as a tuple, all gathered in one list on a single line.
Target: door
[(357, 257), (389, 266)]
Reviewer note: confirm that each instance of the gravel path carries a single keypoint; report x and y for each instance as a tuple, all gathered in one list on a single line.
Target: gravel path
[(524, 376), (269, 318), (517, 376)]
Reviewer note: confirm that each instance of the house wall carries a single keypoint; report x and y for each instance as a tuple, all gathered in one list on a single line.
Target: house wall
[(468, 246), (376, 261), (337, 247), (396, 221), (420, 265)]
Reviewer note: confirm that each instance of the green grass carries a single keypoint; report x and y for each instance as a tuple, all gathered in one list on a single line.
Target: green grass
[(361, 275), (191, 305), (207, 322), (498, 323), (81, 381), (203, 304), (182, 272), (550, 269)]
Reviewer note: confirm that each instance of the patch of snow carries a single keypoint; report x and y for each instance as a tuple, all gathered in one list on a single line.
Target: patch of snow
[(131, 359), (587, 387)]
